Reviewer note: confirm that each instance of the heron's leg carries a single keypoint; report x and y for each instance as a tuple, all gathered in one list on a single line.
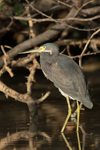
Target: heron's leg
[(78, 115), (69, 114)]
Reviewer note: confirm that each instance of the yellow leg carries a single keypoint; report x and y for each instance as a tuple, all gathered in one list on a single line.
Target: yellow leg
[(78, 140), (69, 114), (77, 130), (78, 115)]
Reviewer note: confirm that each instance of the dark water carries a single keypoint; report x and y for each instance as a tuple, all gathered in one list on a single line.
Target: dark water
[(42, 132)]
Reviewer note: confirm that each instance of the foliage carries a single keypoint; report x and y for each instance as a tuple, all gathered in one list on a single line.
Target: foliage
[(1, 5), (18, 8)]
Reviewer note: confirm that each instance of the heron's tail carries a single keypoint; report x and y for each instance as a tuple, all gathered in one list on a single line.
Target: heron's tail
[(87, 102)]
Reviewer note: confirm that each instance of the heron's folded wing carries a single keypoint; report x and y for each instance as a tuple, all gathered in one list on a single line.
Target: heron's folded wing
[(60, 80), (67, 76)]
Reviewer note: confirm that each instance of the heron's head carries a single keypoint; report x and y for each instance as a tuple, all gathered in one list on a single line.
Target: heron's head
[(47, 48)]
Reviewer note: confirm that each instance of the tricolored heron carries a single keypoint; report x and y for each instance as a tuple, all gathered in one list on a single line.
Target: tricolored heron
[(66, 75)]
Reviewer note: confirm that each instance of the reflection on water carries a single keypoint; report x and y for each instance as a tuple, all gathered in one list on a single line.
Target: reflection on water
[(21, 129)]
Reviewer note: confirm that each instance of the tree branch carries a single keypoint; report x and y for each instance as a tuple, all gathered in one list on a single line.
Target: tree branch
[(44, 37)]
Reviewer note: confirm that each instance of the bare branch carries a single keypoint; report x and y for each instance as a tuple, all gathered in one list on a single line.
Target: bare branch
[(30, 22), (22, 62), (30, 78), (65, 4), (74, 42), (25, 98), (89, 41), (43, 98), (43, 37), (84, 19), (86, 54), (20, 135), (6, 62), (37, 10), (90, 11)]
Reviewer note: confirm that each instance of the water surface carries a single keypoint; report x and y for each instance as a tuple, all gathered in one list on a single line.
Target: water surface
[(43, 130)]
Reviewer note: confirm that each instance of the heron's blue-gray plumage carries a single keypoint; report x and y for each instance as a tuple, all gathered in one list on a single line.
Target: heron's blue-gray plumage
[(65, 74)]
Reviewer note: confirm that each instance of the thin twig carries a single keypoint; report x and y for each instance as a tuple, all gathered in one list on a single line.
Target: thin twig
[(6, 62), (30, 78), (43, 14), (42, 98), (70, 6), (2, 48), (89, 41), (80, 58), (76, 42), (31, 34), (7, 46), (59, 21), (82, 19), (86, 54)]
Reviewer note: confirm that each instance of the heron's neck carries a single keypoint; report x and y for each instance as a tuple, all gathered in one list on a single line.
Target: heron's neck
[(47, 58)]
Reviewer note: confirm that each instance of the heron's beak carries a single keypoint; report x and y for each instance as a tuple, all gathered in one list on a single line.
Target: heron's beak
[(39, 50), (31, 51)]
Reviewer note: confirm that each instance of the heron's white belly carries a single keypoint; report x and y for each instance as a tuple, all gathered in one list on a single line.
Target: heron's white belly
[(64, 94)]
